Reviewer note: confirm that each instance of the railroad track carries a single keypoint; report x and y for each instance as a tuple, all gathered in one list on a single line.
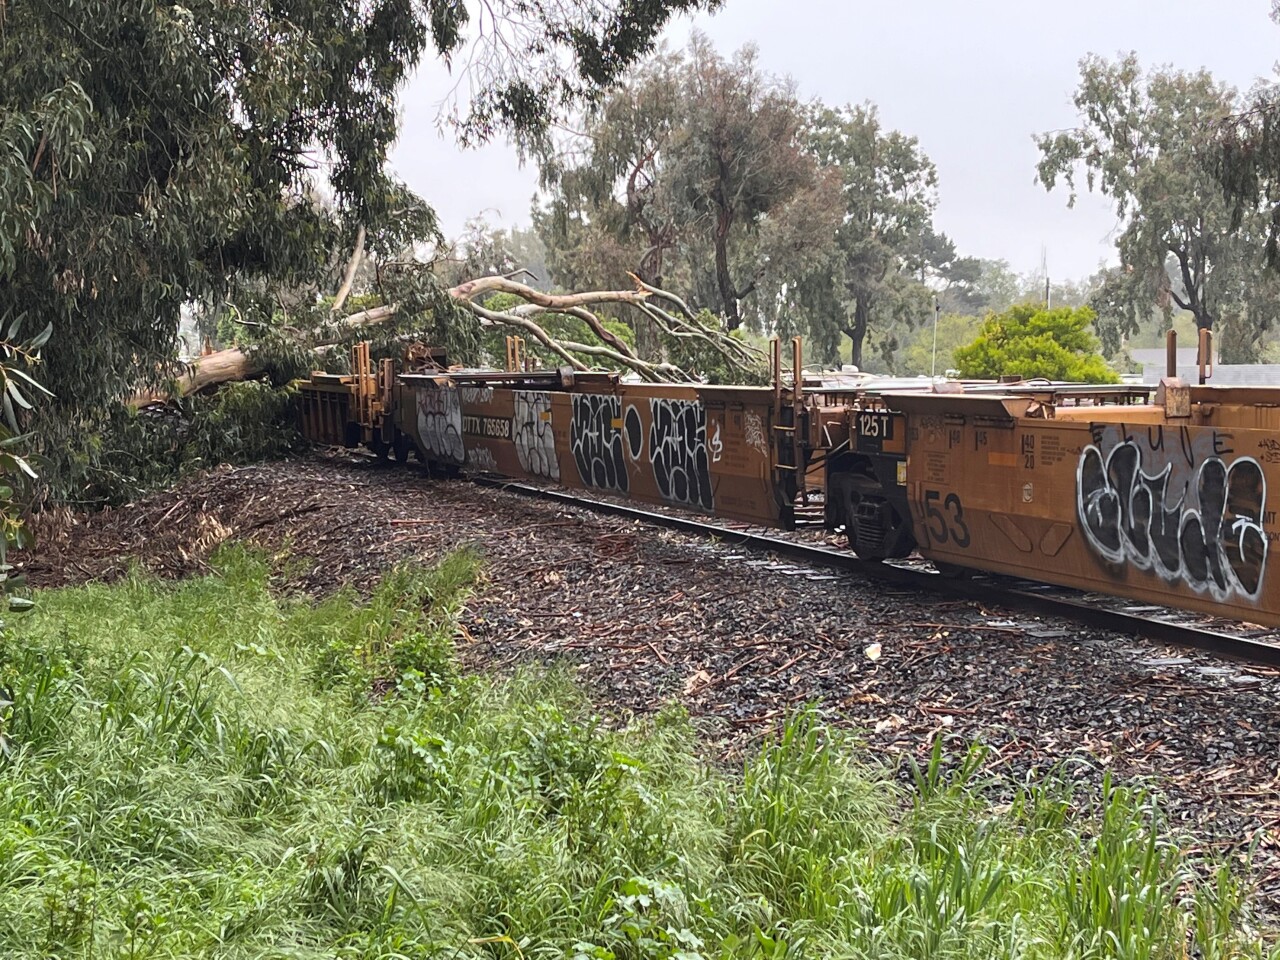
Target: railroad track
[(1235, 641)]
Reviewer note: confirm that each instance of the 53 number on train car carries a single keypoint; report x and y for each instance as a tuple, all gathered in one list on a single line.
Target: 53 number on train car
[(946, 518), (874, 428)]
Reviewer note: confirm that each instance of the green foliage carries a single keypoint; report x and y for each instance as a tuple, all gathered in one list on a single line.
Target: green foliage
[(1142, 142), (17, 475), (889, 193), (697, 180), (954, 331), (140, 450), (1244, 155), (202, 769), (157, 155), (1029, 341)]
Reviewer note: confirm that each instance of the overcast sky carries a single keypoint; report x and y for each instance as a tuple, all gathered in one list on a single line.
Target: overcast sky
[(973, 81)]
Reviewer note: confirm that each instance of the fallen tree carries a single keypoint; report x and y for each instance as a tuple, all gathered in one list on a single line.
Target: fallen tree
[(677, 322)]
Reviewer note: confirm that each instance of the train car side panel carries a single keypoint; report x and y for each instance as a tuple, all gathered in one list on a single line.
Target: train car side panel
[(1117, 500), (704, 449)]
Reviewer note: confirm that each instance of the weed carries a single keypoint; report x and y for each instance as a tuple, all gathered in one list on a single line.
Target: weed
[(202, 769)]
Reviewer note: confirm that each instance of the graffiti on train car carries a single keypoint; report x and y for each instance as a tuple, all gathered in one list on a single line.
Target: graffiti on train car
[(535, 441), (753, 431), (678, 451), (482, 458), (1177, 502), (440, 423), (596, 441)]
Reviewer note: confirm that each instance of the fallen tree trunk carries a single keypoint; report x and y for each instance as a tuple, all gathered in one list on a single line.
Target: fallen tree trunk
[(679, 322), (221, 366)]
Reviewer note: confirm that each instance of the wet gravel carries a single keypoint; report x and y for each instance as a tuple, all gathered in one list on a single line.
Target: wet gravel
[(644, 616)]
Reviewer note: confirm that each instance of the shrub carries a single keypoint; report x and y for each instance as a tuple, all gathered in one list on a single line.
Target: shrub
[(1029, 341)]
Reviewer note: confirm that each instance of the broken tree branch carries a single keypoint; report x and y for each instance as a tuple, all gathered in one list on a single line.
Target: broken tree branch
[(348, 278), (679, 323)]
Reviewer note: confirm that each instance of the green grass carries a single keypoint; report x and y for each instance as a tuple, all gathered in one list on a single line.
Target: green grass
[(200, 770)]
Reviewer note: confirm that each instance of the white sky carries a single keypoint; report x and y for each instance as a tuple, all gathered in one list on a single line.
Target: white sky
[(972, 80)]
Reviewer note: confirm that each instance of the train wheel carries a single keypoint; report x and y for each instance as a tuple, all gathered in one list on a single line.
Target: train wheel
[(876, 531), (402, 448), (379, 447)]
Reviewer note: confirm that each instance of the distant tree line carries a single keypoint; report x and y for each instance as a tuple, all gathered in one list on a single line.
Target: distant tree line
[(707, 173)]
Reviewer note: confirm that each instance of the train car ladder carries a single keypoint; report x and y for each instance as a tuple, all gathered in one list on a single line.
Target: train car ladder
[(517, 359), (371, 392), (789, 460)]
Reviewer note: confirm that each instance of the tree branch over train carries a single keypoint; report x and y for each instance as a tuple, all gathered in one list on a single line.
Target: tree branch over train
[(691, 204), (136, 185), (520, 309)]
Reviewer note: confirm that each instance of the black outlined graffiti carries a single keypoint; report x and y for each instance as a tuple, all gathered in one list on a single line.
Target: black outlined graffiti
[(535, 443), (596, 441), (635, 432), (678, 452), (440, 423), (1177, 509)]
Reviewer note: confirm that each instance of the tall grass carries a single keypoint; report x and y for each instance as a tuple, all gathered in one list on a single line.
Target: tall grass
[(202, 770)]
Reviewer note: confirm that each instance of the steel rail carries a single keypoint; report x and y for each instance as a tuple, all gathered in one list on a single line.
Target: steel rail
[(1007, 594)]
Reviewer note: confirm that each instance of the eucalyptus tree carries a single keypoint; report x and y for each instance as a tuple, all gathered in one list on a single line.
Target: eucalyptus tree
[(693, 174), (153, 154), (1145, 140), (868, 283)]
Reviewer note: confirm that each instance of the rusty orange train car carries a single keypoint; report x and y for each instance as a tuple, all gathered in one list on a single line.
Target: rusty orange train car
[(1153, 493)]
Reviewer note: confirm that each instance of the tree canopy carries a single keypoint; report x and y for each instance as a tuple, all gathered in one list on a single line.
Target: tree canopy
[(708, 174), (695, 172), (1246, 159), (1141, 142), (888, 194), (156, 155), (1030, 341)]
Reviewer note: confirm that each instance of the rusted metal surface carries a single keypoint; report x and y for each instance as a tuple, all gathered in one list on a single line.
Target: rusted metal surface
[(706, 449), (1153, 493), (1136, 501)]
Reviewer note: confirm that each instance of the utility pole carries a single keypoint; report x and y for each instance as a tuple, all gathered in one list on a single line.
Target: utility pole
[(1044, 265), (933, 367)]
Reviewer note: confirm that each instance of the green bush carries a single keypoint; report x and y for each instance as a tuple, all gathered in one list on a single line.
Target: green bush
[(1029, 341), (137, 451)]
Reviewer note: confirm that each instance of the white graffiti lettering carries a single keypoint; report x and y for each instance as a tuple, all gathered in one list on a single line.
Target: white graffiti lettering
[(1183, 512), (754, 428), (482, 458), (535, 441), (440, 423)]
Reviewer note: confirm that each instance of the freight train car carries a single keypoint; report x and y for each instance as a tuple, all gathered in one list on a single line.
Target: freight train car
[(703, 448), (1159, 495), (1163, 502), (707, 448)]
